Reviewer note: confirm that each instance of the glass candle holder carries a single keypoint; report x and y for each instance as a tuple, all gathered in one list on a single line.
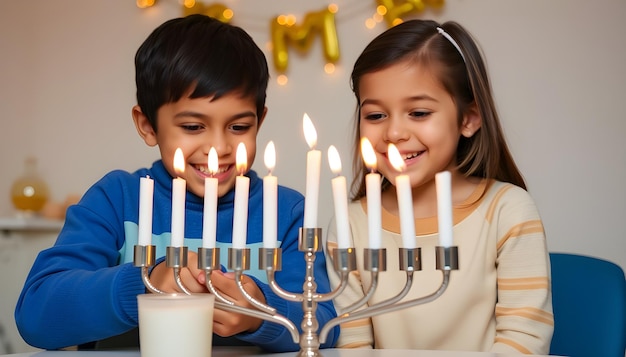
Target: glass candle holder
[(29, 192)]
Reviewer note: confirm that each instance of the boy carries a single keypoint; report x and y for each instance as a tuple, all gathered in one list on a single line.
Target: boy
[(201, 83)]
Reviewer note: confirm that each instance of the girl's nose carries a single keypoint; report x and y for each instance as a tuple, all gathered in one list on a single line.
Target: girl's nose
[(395, 131)]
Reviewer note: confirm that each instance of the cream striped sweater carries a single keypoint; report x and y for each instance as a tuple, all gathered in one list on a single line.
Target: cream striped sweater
[(499, 300)]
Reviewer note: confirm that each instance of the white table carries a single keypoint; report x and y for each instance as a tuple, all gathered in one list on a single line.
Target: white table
[(250, 352)]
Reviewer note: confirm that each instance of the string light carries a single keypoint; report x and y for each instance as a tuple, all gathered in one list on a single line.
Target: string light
[(300, 36), (228, 14), (282, 79), (143, 4)]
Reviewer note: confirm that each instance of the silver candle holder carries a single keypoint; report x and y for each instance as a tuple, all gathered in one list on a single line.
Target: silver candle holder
[(270, 259)]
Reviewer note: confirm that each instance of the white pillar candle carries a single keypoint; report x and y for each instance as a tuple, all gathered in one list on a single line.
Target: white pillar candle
[(313, 161), (405, 199), (372, 191), (146, 201), (179, 189), (444, 207), (242, 188), (209, 218), (270, 197), (175, 324), (340, 199)]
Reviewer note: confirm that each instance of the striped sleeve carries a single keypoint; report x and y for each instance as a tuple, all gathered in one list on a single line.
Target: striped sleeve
[(524, 320)]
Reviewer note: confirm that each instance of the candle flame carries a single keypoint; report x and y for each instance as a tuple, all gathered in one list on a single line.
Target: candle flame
[(213, 163), (310, 134), (396, 159), (270, 156), (242, 158), (179, 161), (334, 160), (369, 156)]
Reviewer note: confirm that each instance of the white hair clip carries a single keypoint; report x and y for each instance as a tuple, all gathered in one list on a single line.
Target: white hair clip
[(452, 41)]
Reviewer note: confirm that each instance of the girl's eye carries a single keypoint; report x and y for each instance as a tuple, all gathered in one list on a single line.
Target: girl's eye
[(420, 114), (374, 116), (192, 127)]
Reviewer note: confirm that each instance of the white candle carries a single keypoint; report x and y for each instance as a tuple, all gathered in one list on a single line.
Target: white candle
[(340, 198), (179, 189), (444, 207), (209, 218), (242, 188), (372, 190), (270, 195), (146, 192), (405, 199), (313, 161)]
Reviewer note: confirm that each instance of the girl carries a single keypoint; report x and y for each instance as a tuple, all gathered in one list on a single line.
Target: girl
[(424, 88)]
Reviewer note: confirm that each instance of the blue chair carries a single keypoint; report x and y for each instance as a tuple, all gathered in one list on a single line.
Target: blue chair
[(589, 302)]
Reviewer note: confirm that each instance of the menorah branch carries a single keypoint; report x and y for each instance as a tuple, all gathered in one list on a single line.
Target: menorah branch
[(270, 259)]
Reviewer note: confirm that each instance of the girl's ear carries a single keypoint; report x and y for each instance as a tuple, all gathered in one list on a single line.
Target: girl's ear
[(471, 121), (143, 126)]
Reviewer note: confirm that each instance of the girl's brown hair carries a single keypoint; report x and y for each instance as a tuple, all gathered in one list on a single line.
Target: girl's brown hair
[(463, 75)]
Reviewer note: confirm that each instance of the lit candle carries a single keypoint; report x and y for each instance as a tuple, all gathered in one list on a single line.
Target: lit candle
[(270, 194), (146, 191), (179, 189), (242, 188), (444, 207), (209, 218), (405, 199), (313, 160), (372, 189), (340, 198)]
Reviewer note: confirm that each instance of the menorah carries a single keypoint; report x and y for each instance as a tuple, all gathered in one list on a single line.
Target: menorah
[(310, 239)]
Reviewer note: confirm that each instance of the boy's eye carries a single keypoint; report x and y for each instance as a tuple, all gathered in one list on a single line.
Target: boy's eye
[(240, 127), (192, 127)]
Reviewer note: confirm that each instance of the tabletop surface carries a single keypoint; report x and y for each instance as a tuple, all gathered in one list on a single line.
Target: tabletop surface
[(243, 352)]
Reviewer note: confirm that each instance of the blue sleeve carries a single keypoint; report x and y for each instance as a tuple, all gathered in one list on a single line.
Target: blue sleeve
[(274, 337), (76, 292)]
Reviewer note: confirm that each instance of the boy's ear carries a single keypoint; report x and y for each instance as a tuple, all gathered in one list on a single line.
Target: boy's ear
[(262, 118), (471, 121), (144, 128)]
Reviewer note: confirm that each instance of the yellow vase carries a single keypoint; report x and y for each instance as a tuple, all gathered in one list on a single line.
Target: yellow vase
[(29, 192)]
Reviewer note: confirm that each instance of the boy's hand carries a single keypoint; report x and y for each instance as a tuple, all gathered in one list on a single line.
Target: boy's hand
[(162, 277), (226, 323)]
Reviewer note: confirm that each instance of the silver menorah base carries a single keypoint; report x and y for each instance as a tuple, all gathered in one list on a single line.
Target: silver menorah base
[(270, 260)]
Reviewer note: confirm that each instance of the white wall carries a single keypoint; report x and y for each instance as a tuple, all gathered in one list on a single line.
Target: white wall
[(67, 86)]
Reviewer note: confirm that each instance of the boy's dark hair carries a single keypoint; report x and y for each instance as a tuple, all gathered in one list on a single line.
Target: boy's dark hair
[(198, 56)]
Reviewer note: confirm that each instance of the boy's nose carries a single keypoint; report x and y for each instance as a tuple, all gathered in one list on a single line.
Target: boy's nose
[(221, 146)]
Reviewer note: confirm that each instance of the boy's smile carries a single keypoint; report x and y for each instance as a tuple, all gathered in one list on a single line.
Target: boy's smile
[(196, 125)]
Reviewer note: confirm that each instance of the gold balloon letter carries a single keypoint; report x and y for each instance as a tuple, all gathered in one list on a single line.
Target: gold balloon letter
[(216, 10), (301, 37), (396, 9)]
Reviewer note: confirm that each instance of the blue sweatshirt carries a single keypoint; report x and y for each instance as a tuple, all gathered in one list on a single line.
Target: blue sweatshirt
[(85, 287)]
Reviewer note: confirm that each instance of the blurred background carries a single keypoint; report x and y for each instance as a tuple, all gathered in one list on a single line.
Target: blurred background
[(67, 87)]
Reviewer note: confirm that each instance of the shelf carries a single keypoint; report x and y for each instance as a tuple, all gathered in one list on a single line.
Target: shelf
[(22, 224)]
